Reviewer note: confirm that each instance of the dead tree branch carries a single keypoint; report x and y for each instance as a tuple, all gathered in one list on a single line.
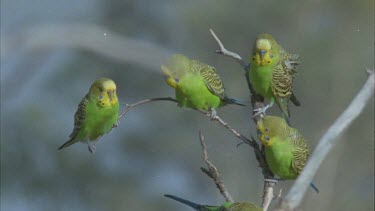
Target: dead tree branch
[(213, 173), (225, 52), (259, 153), (131, 106), (257, 101), (326, 144)]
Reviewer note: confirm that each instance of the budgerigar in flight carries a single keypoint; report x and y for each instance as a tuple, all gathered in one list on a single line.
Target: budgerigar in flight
[(197, 85), (272, 72), (96, 114), (285, 148), (228, 206)]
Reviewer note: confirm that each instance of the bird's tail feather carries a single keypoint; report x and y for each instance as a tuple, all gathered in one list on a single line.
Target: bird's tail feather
[(66, 144), (294, 99), (234, 101), (313, 186), (184, 201)]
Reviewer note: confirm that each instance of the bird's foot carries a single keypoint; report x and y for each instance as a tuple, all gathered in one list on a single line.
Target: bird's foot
[(271, 180), (213, 114), (116, 124), (262, 110), (92, 148)]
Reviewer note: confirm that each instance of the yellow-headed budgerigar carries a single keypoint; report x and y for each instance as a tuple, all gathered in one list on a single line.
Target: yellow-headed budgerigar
[(197, 85), (96, 114), (228, 206), (271, 73), (285, 148)]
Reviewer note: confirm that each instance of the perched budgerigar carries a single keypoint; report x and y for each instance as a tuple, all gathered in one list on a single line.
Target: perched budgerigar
[(197, 85), (285, 148), (271, 73), (96, 114), (237, 206)]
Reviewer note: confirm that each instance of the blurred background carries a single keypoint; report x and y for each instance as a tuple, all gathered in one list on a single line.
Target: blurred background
[(51, 52)]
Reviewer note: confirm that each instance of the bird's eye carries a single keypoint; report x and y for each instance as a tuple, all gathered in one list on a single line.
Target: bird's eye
[(266, 138), (271, 56), (266, 130)]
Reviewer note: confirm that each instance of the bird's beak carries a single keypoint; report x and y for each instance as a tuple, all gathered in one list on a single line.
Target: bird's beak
[(262, 53), (111, 94)]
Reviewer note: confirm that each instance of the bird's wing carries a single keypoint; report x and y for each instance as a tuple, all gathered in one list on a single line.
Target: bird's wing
[(210, 77), (282, 80), (300, 151), (79, 116)]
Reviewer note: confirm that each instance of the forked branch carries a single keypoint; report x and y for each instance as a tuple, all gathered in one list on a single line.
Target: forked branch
[(213, 173), (256, 102)]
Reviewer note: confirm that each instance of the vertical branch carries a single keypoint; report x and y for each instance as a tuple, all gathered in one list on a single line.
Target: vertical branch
[(268, 194), (213, 173), (326, 144), (257, 101)]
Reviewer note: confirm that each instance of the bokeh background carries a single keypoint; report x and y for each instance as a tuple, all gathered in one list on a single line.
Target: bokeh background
[(51, 51)]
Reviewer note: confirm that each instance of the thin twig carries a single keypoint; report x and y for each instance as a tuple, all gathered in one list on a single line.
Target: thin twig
[(219, 120), (131, 106), (225, 52), (326, 144), (216, 118), (257, 150), (213, 173), (257, 101)]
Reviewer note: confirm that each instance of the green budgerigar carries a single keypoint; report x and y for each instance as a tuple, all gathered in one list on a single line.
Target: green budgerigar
[(197, 85), (96, 114), (236, 206), (271, 73), (285, 148)]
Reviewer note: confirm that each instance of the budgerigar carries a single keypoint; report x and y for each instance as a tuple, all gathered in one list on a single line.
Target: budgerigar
[(96, 114), (285, 148), (197, 85), (271, 73), (237, 206)]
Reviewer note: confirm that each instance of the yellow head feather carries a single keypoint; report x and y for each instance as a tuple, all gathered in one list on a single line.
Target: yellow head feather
[(271, 127), (104, 90), (265, 50)]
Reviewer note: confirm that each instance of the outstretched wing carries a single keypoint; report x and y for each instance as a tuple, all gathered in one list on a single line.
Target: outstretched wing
[(210, 76)]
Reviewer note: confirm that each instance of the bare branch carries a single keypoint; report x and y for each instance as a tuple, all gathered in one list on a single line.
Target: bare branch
[(225, 52), (131, 106), (268, 194), (256, 100), (326, 144), (213, 173), (216, 118)]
